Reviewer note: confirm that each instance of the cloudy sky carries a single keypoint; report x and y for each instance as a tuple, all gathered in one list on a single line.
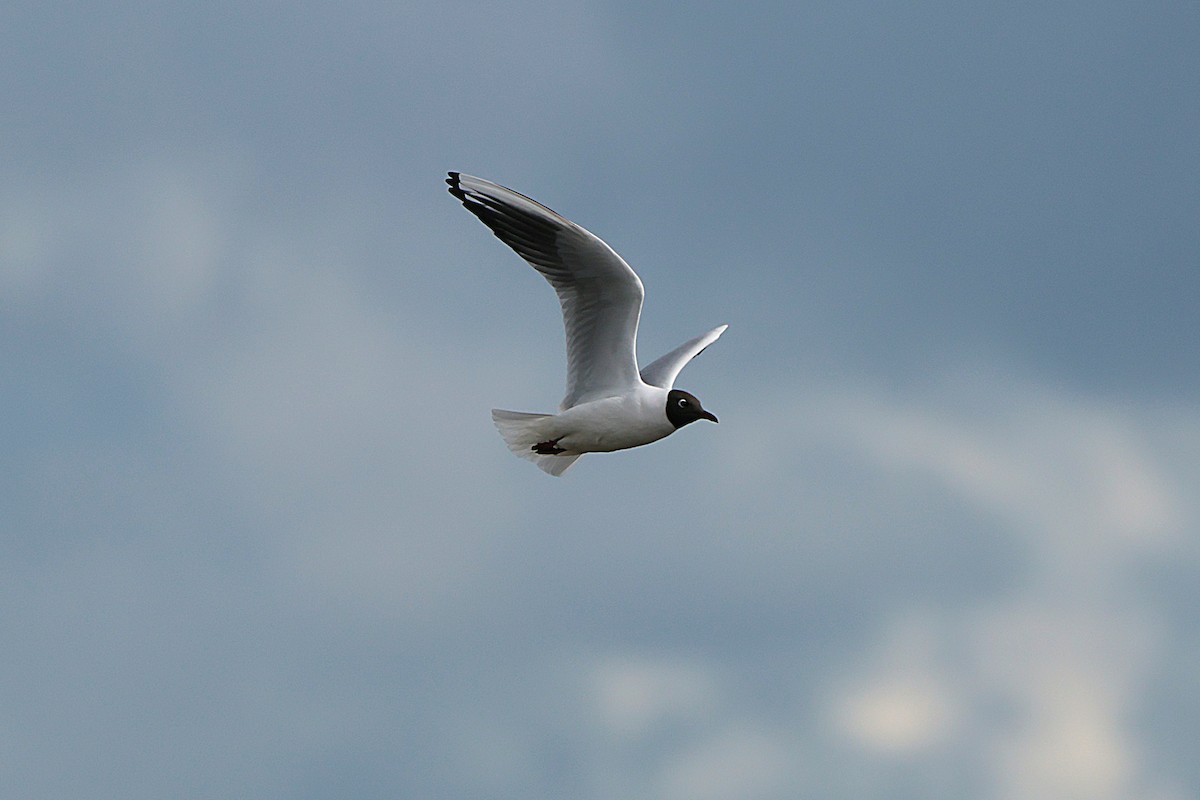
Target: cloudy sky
[(259, 538)]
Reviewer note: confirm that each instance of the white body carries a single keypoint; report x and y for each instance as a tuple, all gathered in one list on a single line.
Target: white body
[(613, 423)]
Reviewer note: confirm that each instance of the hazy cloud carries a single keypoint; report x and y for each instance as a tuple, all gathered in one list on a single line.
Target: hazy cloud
[(260, 538)]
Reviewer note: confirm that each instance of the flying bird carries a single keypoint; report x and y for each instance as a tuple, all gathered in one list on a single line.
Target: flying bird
[(610, 404)]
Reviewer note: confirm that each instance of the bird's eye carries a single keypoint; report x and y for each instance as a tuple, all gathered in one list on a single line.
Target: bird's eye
[(683, 403)]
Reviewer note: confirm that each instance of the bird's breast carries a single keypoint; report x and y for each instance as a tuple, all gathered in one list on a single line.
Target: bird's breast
[(614, 423)]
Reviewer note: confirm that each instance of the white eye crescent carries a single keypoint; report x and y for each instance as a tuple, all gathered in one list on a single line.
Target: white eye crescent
[(683, 403)]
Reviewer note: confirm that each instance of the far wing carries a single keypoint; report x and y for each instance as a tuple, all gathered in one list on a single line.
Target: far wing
[(665, 370), (600, 295)]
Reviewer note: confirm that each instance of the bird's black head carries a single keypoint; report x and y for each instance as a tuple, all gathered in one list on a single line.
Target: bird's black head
[(683, 408)]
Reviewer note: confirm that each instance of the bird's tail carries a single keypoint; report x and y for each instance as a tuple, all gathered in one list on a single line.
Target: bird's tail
[(522, 432)]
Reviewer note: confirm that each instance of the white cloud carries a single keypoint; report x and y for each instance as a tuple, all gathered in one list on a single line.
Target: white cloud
[(1070, 653), (1038, 680), (907, 701), (1073, 674), (633, 695), (1050, 464)]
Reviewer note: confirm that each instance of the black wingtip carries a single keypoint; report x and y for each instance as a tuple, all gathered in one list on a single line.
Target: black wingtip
[(455, 189)]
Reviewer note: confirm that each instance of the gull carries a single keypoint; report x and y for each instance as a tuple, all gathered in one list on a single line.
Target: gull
[(610, 404)]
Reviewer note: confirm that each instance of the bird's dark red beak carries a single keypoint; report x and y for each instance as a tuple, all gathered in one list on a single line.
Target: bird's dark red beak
[(708, 415)]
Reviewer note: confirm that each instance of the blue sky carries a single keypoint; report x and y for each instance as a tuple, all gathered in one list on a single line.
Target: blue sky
[(260, 538)]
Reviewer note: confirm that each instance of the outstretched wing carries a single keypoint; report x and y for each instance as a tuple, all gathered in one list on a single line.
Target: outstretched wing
[(665, 370), (601, 296)]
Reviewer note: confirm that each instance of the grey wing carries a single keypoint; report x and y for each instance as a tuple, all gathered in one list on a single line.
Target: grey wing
[(601, 296), (665, 370)]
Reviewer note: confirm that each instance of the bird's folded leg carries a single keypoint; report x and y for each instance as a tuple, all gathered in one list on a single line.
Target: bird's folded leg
[(549, 448)]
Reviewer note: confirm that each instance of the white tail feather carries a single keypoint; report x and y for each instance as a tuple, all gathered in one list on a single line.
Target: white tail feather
[(521, 431)]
